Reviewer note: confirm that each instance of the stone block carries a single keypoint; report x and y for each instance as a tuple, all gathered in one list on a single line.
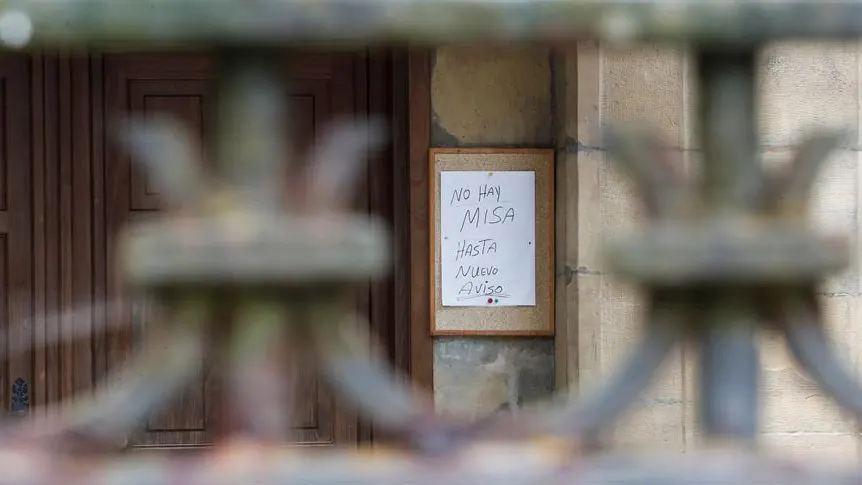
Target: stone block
[(491, 96), (657, 418), (806, 85), (587, 69), (608, 207), (621, 211), (826, 448), (622, 317), (590, 222), (644, 85), (588, 328)]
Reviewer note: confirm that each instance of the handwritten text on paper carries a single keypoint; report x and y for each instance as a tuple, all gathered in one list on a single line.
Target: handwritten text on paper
[(487, 236)]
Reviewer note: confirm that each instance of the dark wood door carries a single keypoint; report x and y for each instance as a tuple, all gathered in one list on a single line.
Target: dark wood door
[(66, 189), (16, 228), (180, 85)]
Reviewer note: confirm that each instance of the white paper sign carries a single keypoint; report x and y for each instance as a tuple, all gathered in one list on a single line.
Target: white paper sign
[(488, 238)]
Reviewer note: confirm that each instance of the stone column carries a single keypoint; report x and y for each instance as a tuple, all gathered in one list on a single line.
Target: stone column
[(491, 97)]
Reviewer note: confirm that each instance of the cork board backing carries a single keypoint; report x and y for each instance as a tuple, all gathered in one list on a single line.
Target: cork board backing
[(500, 321)]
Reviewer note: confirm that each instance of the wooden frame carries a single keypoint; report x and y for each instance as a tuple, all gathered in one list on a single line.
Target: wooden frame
[(545, 302), (419, 116)]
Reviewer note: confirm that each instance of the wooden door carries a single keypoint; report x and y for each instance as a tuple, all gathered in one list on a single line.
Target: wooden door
[(16, 230), (66, 189), (180, 85)]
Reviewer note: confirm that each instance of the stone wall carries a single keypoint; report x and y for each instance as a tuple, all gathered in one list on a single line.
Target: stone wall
[(802, 85), (527, 97), (491, 97)]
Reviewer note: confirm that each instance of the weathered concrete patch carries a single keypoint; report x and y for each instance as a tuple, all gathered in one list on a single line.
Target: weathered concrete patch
[(478, 376)]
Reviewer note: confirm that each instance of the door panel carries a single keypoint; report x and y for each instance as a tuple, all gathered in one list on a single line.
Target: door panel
[(16, 255), (130, 89), (180, 86), (185, 421), (182, 99)]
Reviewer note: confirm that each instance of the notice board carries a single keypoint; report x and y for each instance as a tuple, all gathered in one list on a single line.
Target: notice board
[(492, 241)]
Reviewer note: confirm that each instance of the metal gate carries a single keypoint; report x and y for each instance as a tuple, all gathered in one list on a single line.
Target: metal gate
[(724, 256)]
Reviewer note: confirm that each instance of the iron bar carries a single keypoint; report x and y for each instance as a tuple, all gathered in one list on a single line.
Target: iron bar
[(662, 184), (346, 363), (733, 178), (334, 166), (164, 148), (122, 24), (732, 174), (250, 145), (809, 344), (788, 194), (585, 416), (504, 463), (730, 369)]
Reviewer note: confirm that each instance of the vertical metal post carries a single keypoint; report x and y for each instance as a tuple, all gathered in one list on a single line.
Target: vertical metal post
[(250, 149), (732, 180)]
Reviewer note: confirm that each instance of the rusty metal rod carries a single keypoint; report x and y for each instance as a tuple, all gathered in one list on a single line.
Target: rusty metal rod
[(807, 340)]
